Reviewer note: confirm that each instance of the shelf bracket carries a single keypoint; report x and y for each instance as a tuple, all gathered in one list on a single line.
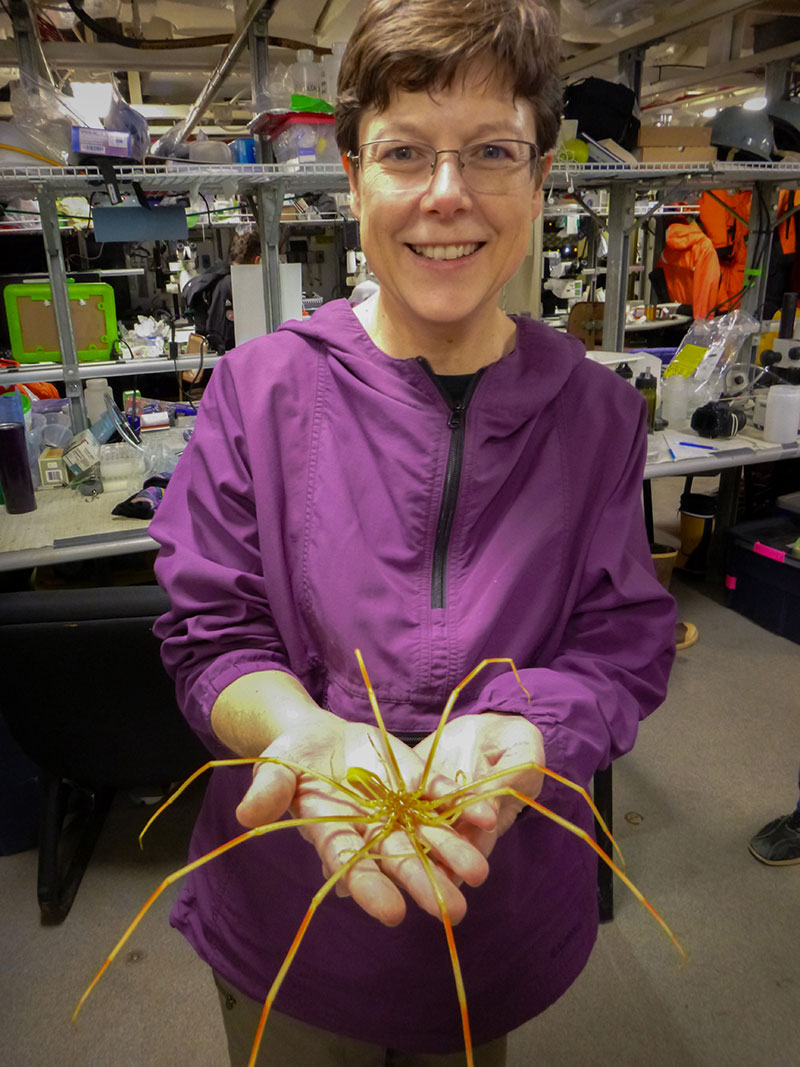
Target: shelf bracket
[(56, 268)]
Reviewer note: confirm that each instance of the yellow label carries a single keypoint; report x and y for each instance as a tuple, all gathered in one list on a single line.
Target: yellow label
[(686, 361)]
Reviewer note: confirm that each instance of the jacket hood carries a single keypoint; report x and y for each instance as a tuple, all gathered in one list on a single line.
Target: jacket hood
[(551, 356), (683, 235)]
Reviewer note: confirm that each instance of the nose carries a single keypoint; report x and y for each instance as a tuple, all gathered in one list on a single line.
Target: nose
[(447, 189)]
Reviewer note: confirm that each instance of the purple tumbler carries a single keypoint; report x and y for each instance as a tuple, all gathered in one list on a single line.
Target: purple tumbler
[(15, 474)]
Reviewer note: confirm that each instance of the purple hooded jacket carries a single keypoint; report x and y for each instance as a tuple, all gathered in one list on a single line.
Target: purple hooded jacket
[(330, 499)]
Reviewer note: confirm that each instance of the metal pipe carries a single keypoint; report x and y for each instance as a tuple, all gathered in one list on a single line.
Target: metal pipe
[(165, 145)]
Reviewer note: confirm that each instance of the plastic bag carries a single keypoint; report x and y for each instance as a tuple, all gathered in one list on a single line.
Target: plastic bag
[(46, 117), (707, 351)]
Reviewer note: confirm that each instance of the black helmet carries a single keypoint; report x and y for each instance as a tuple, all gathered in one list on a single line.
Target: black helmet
[(742, 135), (785, 115)]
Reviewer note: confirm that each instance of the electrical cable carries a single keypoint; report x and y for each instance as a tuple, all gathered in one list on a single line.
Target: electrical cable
[(164, 44), (33, 155)]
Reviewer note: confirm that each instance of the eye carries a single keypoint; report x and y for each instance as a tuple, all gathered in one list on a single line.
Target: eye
[(491, 152), (398, 152)]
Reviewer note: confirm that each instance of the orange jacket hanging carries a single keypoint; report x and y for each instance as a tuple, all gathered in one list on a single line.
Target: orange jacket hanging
[(691, 268)]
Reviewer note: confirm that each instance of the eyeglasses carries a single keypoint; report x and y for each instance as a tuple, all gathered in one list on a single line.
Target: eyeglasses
[(486, 167)]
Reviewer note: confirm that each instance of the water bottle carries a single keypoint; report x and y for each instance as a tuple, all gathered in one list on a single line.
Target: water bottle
[(647, 386), (15, 472)]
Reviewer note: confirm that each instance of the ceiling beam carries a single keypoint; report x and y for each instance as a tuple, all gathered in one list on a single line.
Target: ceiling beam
[(697, 78), (698, 14), (101, 56)]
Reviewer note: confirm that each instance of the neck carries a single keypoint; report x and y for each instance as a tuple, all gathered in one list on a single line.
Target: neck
[(449, 348)]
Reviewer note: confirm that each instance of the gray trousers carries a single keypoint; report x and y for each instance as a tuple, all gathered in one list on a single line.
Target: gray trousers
[(287, 1042)]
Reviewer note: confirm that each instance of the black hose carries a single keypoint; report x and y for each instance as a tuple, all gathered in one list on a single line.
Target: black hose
[(163, 44)]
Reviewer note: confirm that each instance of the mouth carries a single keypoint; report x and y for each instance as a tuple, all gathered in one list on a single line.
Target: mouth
[(446, 251)]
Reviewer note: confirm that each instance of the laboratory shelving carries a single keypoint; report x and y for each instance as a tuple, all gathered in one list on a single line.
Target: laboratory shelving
[(267, 184)]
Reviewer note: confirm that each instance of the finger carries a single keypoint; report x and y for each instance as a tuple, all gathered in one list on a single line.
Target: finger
[(269, 796), (400, 861), (376, 893), (481, 813), (337, 844), (455, 853)]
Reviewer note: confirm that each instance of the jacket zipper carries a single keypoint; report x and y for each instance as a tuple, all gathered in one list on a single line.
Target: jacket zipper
[(456, 423)]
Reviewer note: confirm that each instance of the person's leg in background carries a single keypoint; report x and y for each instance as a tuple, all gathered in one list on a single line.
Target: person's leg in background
[(778, 843)]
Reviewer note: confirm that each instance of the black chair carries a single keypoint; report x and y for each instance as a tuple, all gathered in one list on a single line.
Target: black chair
[(603, 796), (87, 699)]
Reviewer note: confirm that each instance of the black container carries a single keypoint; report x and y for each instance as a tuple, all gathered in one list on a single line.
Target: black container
[(762, 577), (15, 474)]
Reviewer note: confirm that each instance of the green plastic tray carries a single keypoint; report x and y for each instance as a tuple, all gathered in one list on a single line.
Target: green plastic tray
[(32, 321)]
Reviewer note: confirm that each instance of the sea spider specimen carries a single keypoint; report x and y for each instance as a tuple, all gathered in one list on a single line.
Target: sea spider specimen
[(389, 806)]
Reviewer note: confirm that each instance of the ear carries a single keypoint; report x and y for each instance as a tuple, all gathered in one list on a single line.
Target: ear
[(544, 170), (352, 177)]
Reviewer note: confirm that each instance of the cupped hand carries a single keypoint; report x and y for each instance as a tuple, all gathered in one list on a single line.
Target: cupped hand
[(474, 746), (325, 745)]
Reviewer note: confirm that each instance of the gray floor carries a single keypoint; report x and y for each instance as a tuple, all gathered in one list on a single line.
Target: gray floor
[(717, 761)]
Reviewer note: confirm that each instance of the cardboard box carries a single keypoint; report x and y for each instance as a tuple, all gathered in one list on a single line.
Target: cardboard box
[(93, 142), (677, 154), (82, 453), (52, 470), (658, 136)]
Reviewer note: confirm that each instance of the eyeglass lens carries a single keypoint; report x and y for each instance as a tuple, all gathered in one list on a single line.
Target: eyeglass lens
[(489, 166)]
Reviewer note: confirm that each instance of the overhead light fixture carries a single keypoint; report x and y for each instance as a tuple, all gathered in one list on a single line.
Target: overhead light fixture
[(710, 112), (755, 103)]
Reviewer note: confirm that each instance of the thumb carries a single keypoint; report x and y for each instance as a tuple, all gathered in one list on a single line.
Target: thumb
[(269, 796)]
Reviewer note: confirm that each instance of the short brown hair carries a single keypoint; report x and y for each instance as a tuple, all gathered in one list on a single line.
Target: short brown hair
[(414, 45), (245, 247)]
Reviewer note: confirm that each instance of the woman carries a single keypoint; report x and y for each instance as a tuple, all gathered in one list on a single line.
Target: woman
[(433, 482)]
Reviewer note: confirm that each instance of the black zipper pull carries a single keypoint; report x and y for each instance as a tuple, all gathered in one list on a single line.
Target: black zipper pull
[(455, 418)]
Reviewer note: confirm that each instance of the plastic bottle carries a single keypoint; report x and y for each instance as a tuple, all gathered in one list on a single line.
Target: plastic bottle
[(647, 386), (305, 73), (782, 421), (330, 72), (94, 394), (279, 90), (675, 399)]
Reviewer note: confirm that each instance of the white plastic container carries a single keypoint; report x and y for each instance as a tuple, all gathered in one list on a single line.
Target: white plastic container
[(94, 394), (675, 399), (329, 71), (305, 73), (210, 152), (782, 421), (121, 467)]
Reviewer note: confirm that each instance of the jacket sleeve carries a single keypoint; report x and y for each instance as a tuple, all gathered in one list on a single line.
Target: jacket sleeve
[(219, 625), (612, 656)]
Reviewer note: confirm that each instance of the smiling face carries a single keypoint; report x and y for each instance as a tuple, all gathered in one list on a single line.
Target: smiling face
[(442, 252)]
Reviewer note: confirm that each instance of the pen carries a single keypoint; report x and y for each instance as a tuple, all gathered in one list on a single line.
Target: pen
[(693, 444)]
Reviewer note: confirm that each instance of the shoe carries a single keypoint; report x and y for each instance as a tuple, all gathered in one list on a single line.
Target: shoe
[(685, 635), (778, 843)]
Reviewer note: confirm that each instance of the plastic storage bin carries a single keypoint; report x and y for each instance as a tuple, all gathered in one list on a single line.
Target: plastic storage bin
[(305, 137), (32, 321), (762, 577)]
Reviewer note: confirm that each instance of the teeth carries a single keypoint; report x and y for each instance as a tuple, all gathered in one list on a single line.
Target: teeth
[(444, 251)]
